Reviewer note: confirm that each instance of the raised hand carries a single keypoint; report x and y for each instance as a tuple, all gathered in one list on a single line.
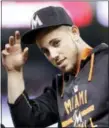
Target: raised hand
[(13, 58)]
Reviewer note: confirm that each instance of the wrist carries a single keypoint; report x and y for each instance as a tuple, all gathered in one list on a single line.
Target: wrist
[(15, 71)]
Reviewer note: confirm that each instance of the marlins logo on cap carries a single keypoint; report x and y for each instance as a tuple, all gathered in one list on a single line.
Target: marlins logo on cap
[(46, 17), (36, 21)]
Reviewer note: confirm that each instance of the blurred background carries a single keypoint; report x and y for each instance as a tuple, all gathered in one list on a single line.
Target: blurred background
[(90, 17)]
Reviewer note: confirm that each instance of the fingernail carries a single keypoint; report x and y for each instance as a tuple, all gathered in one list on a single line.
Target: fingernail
[(17, 32), (7, 46), (11, 37)]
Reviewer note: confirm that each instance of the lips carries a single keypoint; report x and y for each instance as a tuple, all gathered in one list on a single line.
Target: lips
[(60, 62)]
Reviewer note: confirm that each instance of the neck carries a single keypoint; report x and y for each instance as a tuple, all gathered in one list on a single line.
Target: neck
[(81, 45), (83, 51)]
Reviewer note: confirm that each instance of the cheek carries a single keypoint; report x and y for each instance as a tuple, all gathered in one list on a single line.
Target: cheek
[(64, 49), (72, 55), (70, 51)]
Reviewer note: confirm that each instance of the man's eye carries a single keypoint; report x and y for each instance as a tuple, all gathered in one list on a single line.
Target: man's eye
[(56, 43)]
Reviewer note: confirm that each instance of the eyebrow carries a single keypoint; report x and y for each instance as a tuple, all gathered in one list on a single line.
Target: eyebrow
[(53, 40), (50, 42)]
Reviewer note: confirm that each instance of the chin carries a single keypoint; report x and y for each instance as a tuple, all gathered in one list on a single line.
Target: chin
[(67, 69)]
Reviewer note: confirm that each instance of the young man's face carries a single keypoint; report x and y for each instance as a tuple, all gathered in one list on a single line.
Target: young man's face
[(59, 48)]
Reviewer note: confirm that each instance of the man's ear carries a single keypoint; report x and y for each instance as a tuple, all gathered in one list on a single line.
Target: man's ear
[(75, 30)]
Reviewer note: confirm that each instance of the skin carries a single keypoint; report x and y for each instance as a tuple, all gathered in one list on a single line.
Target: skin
[(63, 52), (62, 46), (13, 59)]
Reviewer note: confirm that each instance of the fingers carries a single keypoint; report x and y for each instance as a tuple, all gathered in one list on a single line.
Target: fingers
[(15, 40), (25, 54), (5, 53), (11, 40), (17, 37), (7, 48)]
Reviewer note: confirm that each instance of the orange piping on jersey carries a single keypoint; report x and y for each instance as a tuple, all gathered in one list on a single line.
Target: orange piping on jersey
[(91, 67), (83, 56)]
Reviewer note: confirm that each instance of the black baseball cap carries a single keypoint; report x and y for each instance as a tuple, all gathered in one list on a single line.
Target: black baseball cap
[(46, 17)]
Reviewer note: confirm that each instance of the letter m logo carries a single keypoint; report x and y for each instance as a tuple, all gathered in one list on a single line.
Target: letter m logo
[(77, 118), (36, 22)]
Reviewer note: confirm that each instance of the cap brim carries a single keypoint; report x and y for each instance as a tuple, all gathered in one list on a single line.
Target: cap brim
[(29, 37)]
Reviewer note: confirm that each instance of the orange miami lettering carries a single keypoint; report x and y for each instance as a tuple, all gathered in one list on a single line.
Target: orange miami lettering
[(73, 104)]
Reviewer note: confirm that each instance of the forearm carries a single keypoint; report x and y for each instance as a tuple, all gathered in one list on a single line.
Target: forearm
[(15, 85), (35, 112)]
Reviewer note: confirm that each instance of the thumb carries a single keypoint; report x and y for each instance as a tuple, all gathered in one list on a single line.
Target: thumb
[(25, 54), (4, 54)]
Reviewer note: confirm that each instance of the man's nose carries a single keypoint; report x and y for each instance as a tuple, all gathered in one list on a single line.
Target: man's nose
[(53, 54)]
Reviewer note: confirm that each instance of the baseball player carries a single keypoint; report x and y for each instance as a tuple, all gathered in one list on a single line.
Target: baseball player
[(78, 96)]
